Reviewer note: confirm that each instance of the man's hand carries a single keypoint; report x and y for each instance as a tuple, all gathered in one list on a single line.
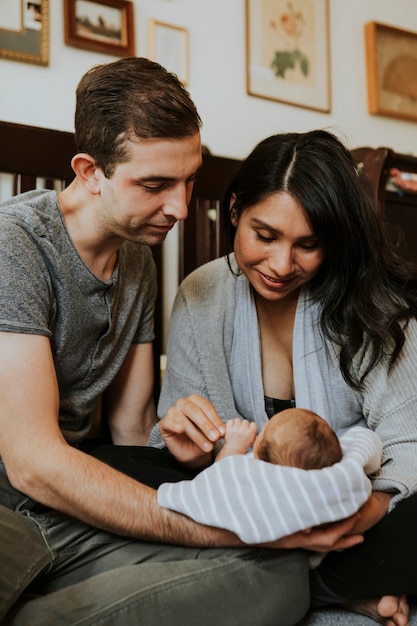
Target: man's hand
[(190, 429)]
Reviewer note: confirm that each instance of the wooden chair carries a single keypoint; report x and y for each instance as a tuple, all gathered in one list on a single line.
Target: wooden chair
[(199, 238), (199, 234), (372, 163), (399, 206)]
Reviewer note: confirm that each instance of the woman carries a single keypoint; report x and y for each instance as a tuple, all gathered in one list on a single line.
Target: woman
[(314, 309)]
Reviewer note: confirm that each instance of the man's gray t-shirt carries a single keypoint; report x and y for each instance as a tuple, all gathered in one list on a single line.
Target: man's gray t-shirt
[(47, 289)]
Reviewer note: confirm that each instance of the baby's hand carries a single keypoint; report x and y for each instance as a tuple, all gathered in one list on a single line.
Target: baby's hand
[(240, 436)]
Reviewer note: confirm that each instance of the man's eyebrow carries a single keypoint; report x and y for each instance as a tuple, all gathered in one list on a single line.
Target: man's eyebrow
[(153, 178)]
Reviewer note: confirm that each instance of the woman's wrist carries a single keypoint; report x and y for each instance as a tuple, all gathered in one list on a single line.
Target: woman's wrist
[(373, 511)]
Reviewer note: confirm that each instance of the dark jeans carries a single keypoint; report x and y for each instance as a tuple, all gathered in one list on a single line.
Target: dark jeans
[(150, 466), (384, 564), (57, 570)]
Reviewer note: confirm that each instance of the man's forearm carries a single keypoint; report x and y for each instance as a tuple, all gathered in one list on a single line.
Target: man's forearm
[(105, 498)]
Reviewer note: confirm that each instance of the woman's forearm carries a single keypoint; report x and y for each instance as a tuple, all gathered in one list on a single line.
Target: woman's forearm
[(372, 511)]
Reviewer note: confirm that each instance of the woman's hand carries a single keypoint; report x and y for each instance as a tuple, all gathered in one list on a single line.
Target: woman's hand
[(190, 429), (335, 536)]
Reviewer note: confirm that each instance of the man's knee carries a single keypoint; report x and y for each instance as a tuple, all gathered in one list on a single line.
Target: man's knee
[(282, 590), (253, 586), (23, 549), (261, 587)]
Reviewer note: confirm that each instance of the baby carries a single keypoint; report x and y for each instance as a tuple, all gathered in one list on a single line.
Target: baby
[(285, 495), (295, 437)]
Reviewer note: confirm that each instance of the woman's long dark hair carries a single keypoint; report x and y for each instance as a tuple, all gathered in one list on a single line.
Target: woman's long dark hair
[(367, 292)]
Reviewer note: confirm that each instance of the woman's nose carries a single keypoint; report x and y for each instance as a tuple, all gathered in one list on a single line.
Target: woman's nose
[(281, 260)]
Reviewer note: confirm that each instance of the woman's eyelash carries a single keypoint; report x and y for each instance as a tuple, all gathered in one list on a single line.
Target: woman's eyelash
[(263, 238), (305, 246), (309, 246)]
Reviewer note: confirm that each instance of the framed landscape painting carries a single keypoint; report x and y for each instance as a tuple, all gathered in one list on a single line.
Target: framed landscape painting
[(100, 26)]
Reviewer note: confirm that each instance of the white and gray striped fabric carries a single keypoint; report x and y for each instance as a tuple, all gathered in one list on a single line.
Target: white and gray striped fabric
[(262, 502)]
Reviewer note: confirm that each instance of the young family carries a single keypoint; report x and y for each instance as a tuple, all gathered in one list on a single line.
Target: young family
[(311, 309)]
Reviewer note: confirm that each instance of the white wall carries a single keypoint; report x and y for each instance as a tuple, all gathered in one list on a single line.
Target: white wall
[(233, 121)]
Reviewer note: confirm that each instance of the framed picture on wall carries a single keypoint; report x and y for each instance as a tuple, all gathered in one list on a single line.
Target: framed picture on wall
[(24, 31), (100, 26), (287, 52), (391, 61), (168, 45)]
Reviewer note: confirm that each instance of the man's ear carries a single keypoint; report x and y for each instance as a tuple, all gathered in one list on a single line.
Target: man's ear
[(233, 211), (87, 172)]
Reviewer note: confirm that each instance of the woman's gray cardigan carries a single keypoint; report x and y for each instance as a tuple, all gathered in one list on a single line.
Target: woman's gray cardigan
[(198, 359)]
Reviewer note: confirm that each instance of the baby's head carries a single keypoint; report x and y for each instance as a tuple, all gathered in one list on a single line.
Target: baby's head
[(298, 438)]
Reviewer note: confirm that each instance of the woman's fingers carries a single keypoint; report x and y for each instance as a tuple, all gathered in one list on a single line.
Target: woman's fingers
[(195, 418)]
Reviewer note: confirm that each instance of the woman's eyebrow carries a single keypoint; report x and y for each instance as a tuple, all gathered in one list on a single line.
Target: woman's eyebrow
[(261, 224)]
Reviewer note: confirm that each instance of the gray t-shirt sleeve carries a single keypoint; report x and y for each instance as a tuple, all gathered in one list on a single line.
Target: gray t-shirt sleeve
[(26, 291)]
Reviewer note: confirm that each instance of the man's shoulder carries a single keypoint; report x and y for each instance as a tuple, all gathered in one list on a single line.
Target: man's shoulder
[(30, 208), (26, 199)]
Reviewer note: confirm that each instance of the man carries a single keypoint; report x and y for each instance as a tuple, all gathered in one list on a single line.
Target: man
[(80, 542)]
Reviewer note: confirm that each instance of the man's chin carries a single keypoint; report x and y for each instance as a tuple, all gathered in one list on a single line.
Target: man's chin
[(148, 240)]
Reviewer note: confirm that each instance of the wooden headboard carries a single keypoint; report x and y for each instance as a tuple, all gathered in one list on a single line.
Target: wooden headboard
[(39, 157), (29, 153)]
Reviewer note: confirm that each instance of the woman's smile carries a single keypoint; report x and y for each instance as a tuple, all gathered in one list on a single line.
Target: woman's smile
[(276, 283)]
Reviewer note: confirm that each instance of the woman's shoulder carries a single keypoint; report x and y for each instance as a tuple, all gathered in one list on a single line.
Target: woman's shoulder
[(204, 308), (216, 274)]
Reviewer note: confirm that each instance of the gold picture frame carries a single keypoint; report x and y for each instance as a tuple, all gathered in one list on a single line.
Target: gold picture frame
[(24, 31), (391, 61), (104, 26), (169, 45), (288, 52)]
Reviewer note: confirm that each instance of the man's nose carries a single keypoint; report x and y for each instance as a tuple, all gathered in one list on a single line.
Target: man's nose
[(177, 204)]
